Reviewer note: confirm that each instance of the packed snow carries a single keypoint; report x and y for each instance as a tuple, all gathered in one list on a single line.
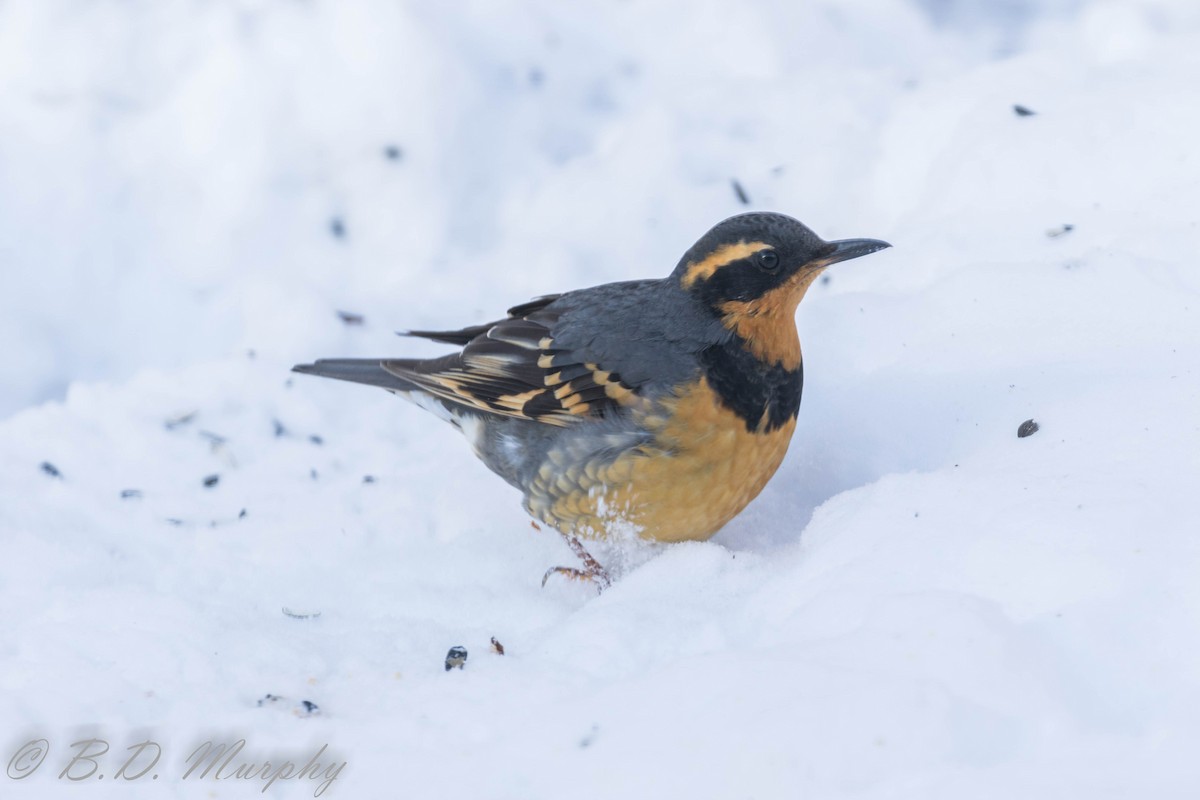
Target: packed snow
[(921, 604)]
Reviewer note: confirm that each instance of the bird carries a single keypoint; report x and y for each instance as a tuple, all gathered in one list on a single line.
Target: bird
[(657, 407)]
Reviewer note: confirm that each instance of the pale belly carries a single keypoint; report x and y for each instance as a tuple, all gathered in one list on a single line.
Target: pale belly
[(703, 468)]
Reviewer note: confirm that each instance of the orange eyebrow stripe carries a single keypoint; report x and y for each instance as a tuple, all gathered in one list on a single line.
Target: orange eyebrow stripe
[(724, 255)]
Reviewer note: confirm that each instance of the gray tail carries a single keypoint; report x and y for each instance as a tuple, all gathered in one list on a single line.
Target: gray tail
[(368, 371)]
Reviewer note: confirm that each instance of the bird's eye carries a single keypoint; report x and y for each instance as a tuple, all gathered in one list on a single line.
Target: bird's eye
[(768, 260)]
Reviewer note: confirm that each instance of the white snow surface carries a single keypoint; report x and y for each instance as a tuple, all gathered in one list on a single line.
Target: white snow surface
[(919, 605)]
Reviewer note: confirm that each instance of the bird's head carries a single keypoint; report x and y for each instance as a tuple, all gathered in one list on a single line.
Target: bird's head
[(752, 270), (761, 258)]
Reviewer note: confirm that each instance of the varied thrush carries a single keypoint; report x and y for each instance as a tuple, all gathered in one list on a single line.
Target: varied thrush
[(659, 407)]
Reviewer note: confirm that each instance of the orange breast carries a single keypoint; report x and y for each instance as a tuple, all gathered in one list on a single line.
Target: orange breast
[(702, 468)]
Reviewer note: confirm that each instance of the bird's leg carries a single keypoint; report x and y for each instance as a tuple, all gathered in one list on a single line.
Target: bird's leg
[(592, 571)]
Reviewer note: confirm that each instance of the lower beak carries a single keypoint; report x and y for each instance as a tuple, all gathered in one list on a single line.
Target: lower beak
[(846, 249)]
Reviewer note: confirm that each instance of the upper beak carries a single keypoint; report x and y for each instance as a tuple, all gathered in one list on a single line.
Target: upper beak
[(846, 249)]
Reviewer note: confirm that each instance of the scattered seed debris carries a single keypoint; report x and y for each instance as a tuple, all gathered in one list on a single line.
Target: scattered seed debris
[(242, 514), (50, 470), (1027, 428), (1022, 111), (287, 612), (280, 428), (131, 494), (211, 481), (1065, 228), (533, 524), (589, 737), (218, 445), (456, 658), (497, 648), (180, 420), (315, 439), (536, 77), (214, 439), (825, 279), (393, 153), (174, 521), (337, 228), (351, 318), (312, 473), (305, 708), (742, 197), (368, 478)]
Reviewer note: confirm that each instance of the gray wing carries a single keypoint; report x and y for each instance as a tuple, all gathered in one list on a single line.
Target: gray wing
[(546, 362)]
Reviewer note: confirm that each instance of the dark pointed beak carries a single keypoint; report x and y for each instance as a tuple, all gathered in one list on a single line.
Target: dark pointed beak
[(846, 249)]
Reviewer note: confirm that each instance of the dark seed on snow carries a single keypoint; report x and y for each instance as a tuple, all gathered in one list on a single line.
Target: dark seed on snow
[(211, 481), (182, 419), (51, 470), (456, 658), (287, 612), (590, 737), (1022, 111), (130, 494), (742, 197), (1027, 428)]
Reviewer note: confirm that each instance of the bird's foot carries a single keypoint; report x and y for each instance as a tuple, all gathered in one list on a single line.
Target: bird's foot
[(599, 577), (592, 571)]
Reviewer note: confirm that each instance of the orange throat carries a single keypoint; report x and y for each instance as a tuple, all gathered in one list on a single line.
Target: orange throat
[(768, 323)]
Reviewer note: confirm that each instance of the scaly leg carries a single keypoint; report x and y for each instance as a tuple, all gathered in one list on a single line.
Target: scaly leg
[(592, 571)]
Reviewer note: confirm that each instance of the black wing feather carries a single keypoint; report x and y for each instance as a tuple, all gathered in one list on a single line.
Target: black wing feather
[(511, 367), (464, 336)]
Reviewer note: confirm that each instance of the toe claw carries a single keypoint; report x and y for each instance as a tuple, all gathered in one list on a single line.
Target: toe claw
[(599, 577), (592, 570)]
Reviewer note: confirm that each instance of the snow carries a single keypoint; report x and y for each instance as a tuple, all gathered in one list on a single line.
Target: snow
[(920, 604)]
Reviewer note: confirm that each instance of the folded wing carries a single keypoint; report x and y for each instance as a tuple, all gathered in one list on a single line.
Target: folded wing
[(513, 368)]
